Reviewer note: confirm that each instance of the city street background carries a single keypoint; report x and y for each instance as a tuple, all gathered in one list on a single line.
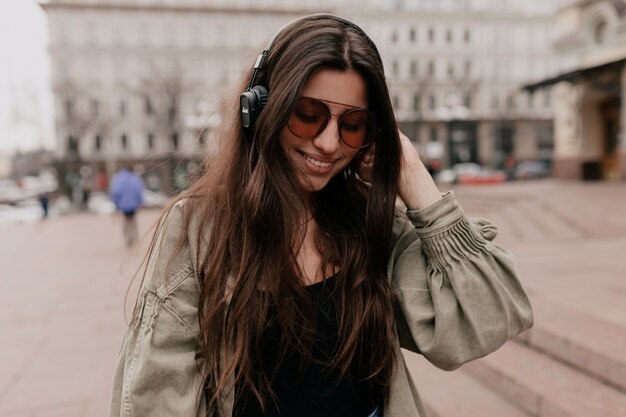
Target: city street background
[(519, 106), (64, 282)]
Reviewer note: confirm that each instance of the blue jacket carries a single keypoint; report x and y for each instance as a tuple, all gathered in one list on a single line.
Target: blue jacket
[(126, 190)]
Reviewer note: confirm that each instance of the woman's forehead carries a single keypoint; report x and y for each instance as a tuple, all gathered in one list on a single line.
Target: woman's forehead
[(347, 88)]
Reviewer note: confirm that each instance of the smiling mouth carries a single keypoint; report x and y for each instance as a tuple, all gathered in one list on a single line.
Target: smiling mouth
[(320, 164)]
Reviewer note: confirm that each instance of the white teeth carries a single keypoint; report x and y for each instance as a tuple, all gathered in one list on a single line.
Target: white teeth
[(316, 162)]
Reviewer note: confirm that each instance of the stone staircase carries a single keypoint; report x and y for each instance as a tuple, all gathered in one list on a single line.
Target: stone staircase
[(572, 258)]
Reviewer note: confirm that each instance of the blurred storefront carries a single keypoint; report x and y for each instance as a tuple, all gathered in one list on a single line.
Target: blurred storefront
[(590, 97)]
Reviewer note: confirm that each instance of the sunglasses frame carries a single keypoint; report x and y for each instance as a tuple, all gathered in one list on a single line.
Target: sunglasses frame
[(369, 113)]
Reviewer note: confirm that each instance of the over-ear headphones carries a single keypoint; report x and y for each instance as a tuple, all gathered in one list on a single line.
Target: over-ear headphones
[(254, 98)]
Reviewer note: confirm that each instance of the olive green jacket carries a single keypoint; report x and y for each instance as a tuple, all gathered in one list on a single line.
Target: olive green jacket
[(458, 298)]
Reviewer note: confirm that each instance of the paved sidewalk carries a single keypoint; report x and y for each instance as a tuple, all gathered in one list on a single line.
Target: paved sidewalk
[(63, 281), (62, 287), (569, 240)]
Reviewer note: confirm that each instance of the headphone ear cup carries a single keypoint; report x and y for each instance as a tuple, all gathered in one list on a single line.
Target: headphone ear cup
[(262, 94), (251, 102)]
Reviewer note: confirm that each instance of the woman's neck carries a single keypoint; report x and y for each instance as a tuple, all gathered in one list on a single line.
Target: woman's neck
[(310, 260)]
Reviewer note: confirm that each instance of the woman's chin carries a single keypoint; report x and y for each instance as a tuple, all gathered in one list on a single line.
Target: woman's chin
[(313, 185)]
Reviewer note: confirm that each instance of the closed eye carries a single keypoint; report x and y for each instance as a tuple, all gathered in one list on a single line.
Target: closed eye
[(352, 128), (308, 117)]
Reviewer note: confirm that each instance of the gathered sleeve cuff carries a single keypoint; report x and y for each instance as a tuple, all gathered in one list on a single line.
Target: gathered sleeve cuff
[(447, 236), (458, 295)]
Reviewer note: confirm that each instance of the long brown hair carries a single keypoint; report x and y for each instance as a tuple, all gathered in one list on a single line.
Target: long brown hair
[(253, 208)]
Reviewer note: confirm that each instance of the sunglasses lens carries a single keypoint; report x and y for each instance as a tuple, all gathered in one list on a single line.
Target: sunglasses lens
[(355, 125), (308, 118)]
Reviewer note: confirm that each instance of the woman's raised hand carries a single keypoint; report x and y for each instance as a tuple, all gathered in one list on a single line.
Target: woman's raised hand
[(366, 164), (416, 187)]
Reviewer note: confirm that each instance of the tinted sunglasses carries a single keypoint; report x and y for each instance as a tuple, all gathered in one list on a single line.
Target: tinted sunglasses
[(357, 127)]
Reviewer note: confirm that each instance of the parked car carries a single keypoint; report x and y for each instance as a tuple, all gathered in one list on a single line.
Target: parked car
[(531, 170), (451, 176), (26, 211), (100, 203), (485, 176), (470, 173), (155, 199)]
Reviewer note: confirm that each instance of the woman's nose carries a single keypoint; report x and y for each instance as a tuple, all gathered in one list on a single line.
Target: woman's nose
[(328, 140)]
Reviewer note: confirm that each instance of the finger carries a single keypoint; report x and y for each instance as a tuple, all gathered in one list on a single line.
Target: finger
[(369, 154)]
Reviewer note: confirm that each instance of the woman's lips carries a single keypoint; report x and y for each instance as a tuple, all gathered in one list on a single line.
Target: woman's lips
[(315, 165)]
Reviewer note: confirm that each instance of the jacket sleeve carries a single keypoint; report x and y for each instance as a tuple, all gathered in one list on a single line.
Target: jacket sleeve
[(457, 294), (157, 373)]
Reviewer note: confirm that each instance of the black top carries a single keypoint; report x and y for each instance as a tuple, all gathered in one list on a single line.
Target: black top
[(315, 392)]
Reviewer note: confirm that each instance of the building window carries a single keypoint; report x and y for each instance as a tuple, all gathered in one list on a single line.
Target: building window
[(449, 36), (413, 68), (495, 102), (69, 108), (122, 108), (433, 134), (72, 144), (431, 35), (504, 141), (431, 68), (202, 138), (467, 100), (450, 69), (466, 36), (394, 67), (148, 106), (468, 68), (124, 140), (150, 141), (97, 143), (394, 36), (545, 141), (432, 102), (412, 35), (510, 102), (396, 101), (94, 108), (416, 102), (546, 98), (174, 139)]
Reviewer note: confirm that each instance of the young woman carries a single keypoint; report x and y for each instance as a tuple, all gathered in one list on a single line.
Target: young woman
[(285, 281)]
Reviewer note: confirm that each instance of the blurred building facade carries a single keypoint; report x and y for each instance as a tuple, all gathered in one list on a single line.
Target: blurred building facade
[(590, 94), (455, 68), (142, 79)]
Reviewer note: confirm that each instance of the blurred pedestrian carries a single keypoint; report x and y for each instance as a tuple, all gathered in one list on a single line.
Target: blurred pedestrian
[(102, 182), (86, 188), (126, 191), (509, 167), (44, 201), (286, 279)]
